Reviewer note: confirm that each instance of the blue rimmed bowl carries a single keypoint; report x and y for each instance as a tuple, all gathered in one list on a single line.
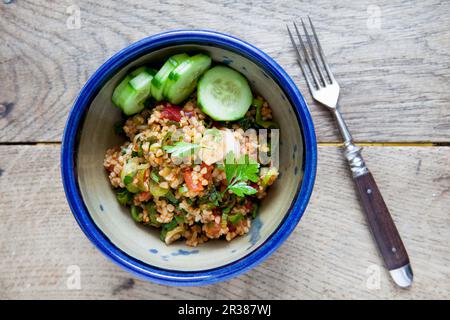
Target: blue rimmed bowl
[(89, 133)]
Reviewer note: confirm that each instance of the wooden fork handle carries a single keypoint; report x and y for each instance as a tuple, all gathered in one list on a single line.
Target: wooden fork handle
[(379, 219)]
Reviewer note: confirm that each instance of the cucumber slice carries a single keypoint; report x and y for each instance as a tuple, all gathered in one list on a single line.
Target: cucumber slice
[(161, 76), (139, 70), (133, 90), (224, 94), (128, 172), (119, 91), (142, 83), (130, 100), (183, 79)]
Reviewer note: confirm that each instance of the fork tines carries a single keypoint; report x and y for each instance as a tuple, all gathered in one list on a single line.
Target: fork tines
[(310, 64)]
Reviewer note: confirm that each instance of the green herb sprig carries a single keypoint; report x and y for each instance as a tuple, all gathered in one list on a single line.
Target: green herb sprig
[(182, 149), (238, 173)]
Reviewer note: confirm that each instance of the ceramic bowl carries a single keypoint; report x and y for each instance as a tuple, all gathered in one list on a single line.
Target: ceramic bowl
[(89, 133)]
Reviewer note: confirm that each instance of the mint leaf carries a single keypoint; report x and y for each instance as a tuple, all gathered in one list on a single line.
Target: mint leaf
[(182, 149)]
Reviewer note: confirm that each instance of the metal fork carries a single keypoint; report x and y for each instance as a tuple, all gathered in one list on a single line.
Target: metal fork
[(325, 89)]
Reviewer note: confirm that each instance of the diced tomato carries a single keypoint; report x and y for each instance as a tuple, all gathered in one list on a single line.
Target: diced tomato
[(217, 212), (209, 170), (249, 204), (171, 112), (223, 186), (213, 229), (196, 187), (144, 196), (231, 227), (110, 168), (254, 185)]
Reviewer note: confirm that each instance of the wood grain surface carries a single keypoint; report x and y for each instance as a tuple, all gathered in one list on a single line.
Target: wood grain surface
[(390, 57), (329, 255)]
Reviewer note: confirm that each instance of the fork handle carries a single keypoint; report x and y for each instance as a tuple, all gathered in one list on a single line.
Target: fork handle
[(379, 219)]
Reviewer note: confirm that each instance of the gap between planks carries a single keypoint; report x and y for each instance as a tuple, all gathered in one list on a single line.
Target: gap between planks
[(320, 144), (388, 144)]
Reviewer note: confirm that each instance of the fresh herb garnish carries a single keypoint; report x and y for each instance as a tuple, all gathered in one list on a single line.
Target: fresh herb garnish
[(135, 214), (246, 123), (171, 197), (124, 196), (254, 210), (234, 219), (128, 179), (175, 123), (225, 213), (152, 214), (258, 104), (181, 218), (211, 198), (241, 189), (138, 153), (238, 173), (166, 228), (154, 175), (166, 137), (181, 149)]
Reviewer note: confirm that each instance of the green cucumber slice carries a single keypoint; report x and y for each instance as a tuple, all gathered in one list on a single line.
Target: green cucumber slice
[(130, 100), (137, 71), (133, 90), (160, 78), (128, 172), (142, 83), (183, 79), (119, 91), (224, 94)]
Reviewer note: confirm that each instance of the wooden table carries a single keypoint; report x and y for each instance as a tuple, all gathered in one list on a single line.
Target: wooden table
[(392, 59)]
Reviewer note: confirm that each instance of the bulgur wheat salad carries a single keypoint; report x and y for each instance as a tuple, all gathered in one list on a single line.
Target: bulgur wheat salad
[(189, 164)]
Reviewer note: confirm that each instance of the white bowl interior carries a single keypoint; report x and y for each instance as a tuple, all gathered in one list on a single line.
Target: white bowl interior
[(143, 242)]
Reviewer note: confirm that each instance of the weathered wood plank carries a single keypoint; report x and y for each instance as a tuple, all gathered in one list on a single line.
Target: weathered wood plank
[(328, 256), (394, 78)]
